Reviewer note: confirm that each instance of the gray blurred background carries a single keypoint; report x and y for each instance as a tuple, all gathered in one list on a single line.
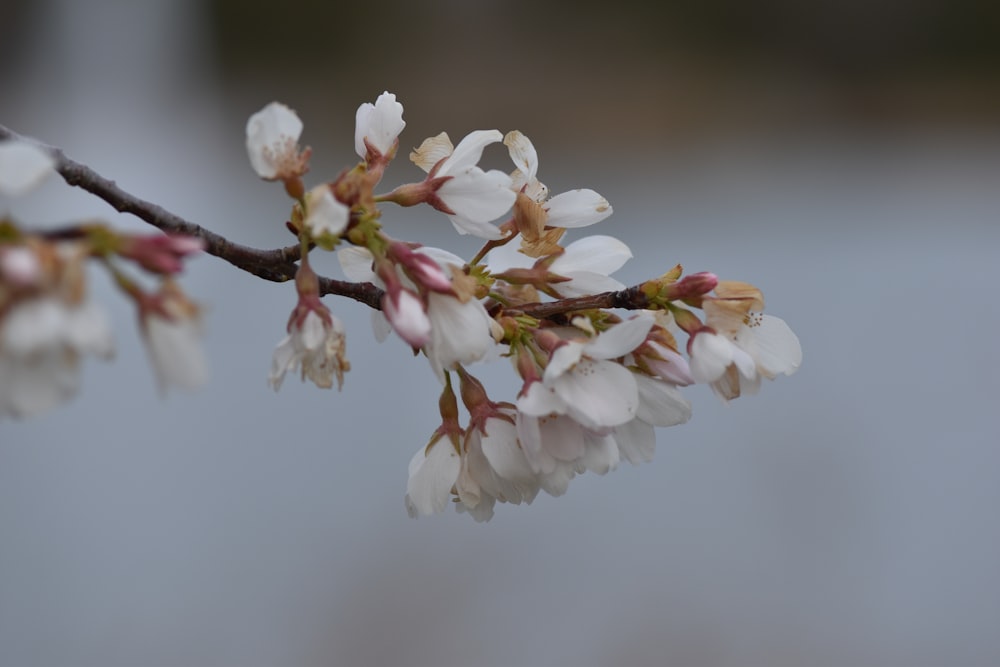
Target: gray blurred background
[(843, 156)]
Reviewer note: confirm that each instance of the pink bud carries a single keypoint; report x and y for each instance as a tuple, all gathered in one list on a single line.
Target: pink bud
[(694, 285), (423, 270), (160, 253), (406, 313)]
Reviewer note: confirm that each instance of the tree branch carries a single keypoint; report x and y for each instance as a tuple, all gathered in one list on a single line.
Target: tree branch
[(278, 265)]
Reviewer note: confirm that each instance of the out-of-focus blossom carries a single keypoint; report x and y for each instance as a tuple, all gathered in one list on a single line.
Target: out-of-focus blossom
[(324, 214), (46, 326), (273, 144), (172, 328), (23, 166)]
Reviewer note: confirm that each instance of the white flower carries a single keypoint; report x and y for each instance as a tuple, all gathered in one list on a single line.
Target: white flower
[(557, 448), (41, 341), (173, 334), (582, 382), (587, 262), (380, 123), (460, 332), (575, 208), (23, 166), (740, 345), (718, 362), (433, 472), (273, 143), (494, 468), (469, 196), (315, 344), (324, 214), (450, 331)]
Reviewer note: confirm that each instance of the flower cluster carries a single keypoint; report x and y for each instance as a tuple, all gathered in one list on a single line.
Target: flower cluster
[(600, 365), (596, 380), (47, 321)]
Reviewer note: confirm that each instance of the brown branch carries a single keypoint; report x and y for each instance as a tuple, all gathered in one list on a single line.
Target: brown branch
[(279, 265), (631, 298)]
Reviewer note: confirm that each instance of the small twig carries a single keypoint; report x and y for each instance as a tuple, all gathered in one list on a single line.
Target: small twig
[(630, 298)]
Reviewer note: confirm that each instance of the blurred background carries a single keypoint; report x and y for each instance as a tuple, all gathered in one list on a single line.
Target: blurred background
[(843, 156)]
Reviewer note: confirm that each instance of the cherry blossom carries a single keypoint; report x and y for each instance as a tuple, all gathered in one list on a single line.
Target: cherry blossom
[(273, 143), (586, 264), (42, 339), (582, 382), (378, 126), (23, 166), (324, 214), (469, 196), (172, 328), (315, 345)]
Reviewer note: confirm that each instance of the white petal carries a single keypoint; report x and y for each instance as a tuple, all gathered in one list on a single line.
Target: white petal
[(23, 166), (577, 208), (460, 332), (584, 283), (312, 333), (88, 330), (562, 438), (380, 326), (778, 348), (468, 151), (503, 453), (523, 153), (595, 254), (326, 214), (711, 355), (431, 151), (381, 123), (563, 359), (598, 394), (443, 258), (601, 454), (283, 359), (176, 353), (431, 478), (620, 339), (38, 384), (540, 401), (482, 230), (661, 403), (478, 196), (636, 441), (33, 325), (356, 263), (507, 257)]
